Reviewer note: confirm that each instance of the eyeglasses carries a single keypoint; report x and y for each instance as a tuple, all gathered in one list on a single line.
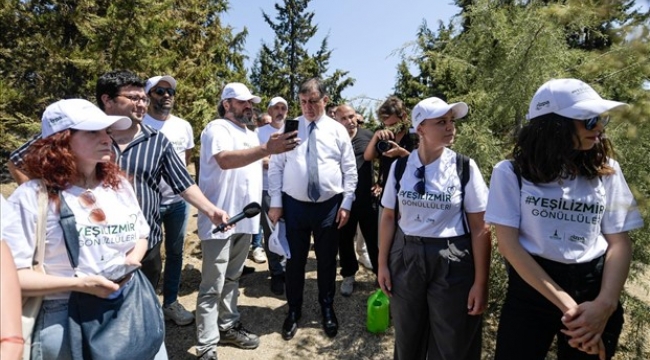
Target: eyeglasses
[(419, 186), (160, 91), (87, 200), (590, 124), (135, 99)]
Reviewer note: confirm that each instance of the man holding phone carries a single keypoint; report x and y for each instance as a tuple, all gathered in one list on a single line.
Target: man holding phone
[(277, 109), (313, 189), (230, 176)]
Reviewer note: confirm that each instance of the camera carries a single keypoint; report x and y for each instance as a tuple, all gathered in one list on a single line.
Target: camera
[(383, 146)]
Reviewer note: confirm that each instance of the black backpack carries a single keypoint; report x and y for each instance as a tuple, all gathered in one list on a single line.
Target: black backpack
[(462, 169)]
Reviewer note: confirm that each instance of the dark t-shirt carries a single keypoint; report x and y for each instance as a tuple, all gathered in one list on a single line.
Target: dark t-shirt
[(364, 168), (385, 162)]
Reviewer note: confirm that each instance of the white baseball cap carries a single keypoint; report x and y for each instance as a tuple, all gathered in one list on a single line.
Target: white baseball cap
[(151, 82), (434, 107), (78, 114), (238, 91), (277, 100), (570, 98)]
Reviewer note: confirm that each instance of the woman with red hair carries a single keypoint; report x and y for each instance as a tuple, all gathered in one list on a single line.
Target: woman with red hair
[(74, 161)]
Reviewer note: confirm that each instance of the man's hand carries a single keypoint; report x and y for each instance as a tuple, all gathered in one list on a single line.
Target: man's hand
[(342, 217), (279, 143), (218, 216), (275, 213)]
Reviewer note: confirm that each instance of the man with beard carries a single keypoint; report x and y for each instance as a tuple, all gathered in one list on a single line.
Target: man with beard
[(174, 211), (231, 177)]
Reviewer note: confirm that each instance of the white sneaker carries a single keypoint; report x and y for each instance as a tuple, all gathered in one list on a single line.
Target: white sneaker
[(258, 255), (364, 260), (177, 313), (347, 286)]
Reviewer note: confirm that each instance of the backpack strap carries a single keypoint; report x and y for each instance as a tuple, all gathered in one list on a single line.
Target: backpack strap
[(400, 166), (517, 172), (462, 170)]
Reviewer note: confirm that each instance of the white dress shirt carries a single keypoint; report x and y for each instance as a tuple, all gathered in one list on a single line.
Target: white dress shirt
[(337, 166)]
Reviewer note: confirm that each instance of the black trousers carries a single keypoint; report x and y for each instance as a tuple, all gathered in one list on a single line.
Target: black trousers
[(304, 219), (152, 265), (364, 214), (529, 321)]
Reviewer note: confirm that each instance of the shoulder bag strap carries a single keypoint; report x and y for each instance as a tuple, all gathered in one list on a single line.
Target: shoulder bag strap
[(69, 226), (41, 226)]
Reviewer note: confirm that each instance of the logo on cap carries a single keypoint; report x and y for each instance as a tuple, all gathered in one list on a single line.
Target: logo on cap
[(55, 120), (542, 104)]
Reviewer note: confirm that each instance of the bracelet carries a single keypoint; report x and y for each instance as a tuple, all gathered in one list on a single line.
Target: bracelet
[(13, 339)]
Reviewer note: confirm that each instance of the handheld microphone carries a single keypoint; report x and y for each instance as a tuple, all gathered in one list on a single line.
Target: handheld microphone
[(250, 210)]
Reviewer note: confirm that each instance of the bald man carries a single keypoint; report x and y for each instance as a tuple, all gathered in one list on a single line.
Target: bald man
[(363, 212)]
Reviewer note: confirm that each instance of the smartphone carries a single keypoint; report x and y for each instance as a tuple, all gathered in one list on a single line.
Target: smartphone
[(119, 272), (290, 125)]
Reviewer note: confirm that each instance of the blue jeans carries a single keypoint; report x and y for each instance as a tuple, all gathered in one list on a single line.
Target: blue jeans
[(257, 239), (174, 220), (51, 334)]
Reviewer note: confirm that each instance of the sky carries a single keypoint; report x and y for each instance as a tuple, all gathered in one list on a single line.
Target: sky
[(365, 36)]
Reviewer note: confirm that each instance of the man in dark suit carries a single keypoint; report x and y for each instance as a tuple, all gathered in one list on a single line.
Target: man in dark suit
[(313, 188)]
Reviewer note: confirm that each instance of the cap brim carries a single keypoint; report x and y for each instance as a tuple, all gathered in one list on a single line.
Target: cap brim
[(459, 109), (169, 79), (588, 109), (115, 122), (254, 99)]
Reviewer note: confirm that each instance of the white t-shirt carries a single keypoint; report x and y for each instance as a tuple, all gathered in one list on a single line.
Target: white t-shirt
[(264, 134), (100, 245), (179, 133), (10, 226), (230, 189), (437, 212), (563, 220)]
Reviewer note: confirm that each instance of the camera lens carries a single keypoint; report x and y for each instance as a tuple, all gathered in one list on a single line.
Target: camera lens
[(383, 145)]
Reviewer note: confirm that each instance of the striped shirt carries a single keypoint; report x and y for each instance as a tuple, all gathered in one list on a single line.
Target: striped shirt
[(148, 158)]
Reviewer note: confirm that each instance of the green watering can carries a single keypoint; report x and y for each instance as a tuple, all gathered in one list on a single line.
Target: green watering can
[(378, 312)]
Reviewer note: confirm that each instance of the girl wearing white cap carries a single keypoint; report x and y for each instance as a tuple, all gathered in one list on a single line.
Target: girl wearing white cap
[(434, 260), (561, 210), (73, 159)]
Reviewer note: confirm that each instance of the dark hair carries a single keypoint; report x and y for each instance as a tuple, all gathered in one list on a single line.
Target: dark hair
[(111, 82), (545, 151), (51, 160), (392, 106), (313, 84), (221, 110)]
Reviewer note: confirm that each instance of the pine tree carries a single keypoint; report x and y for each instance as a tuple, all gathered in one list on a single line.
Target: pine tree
[(495, 65), (279, 70), (56, 49)]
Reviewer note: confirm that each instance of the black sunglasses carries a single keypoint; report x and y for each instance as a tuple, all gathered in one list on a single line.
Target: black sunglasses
[(591, 123), (419, 186), (160, 91)]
